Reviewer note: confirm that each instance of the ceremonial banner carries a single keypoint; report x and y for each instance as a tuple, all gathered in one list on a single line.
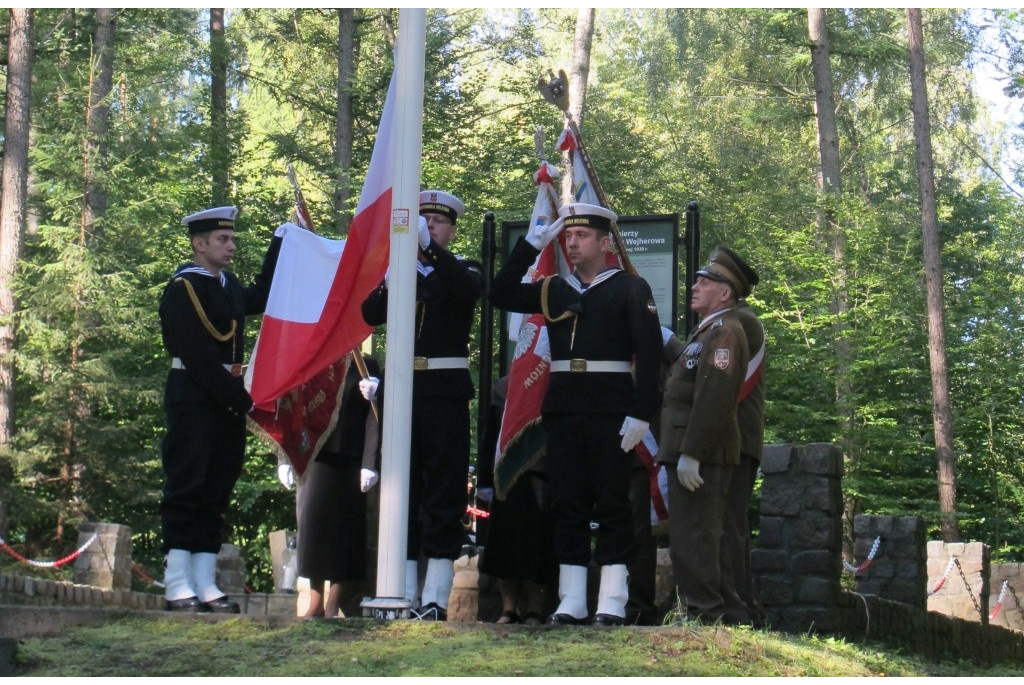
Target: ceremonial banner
[(313, 317), (521, 439)]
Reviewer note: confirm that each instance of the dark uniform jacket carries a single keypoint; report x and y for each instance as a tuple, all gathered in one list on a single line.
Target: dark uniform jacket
[(750, 413), (445, 307), (615, 319), (187, 336), (698, 415)]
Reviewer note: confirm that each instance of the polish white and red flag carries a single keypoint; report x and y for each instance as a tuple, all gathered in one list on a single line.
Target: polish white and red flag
[(313, 316)]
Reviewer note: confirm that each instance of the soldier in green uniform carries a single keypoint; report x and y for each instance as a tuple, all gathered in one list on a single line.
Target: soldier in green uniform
[(750, 419), (700, 438)]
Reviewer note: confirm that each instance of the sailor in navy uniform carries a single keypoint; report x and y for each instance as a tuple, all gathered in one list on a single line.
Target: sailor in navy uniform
[(700, 439), (605, 347), (202, 319), (448, 288)]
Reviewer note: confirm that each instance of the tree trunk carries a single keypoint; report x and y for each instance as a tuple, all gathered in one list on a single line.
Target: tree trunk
[(98, 118), (14, 201), (13, 206), (219, 144), (578, 86), (343, 129), (829, 190), (942, 414)]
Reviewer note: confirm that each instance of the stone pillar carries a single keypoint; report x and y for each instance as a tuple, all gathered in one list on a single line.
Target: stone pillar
[(464, 600), (968, 600), (107, 562), (231, 571), (1011, 615), (798, 556), (278, 543), (899, 570)]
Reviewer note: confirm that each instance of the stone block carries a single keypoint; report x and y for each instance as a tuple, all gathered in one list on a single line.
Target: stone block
[(278, 543), (907, 569), (908, 525), (776, 589), (106, 559), (862, 524), (256, 604), (776, 459), (781, 497), (936, 548), (463, 605), (812, 530), (823, 459), (819, 495), (812, 561), (280, 604), (811, 618), (818, 591), (771, 532), (769, 560), (882, 568)]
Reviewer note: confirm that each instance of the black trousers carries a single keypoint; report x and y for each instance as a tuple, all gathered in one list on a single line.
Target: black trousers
[(438, 478), (203, 452), (590, 476)]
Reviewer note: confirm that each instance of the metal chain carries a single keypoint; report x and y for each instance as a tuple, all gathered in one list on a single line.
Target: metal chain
[(1016, 601), (969, 590)]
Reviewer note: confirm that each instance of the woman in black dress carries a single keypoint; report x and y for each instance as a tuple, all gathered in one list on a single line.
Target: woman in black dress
[(331, 502)]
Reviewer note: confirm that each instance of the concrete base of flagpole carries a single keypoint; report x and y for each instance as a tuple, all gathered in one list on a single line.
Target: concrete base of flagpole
[(386, 608)]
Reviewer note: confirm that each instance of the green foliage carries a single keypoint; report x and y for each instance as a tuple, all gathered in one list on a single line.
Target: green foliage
[(707, 105)]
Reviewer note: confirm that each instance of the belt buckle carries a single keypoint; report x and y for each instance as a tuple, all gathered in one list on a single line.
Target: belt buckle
[(577, 365), (419, 364), (236, 370)]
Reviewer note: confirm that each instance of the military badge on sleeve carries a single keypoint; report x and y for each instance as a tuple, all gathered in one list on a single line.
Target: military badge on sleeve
[(722, 359)]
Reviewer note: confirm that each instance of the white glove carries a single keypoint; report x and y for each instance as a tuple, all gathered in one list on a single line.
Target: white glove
[(688, 472), (485, 494), (367, 479), (666, 334), (387, 275), (632, 432), (424, 234), (286, 475), (542, 234), (368, 386)]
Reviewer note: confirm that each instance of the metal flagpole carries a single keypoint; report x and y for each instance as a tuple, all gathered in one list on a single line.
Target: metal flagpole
[(407, 143)]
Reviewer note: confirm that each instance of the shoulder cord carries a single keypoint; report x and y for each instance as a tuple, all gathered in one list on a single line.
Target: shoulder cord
[(544, 304), (220, 337)]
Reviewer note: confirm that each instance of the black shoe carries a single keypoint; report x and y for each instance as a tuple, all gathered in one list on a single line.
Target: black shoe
[(608, 620), (566, 620), (433, 612), (222, 605), (189, 604)]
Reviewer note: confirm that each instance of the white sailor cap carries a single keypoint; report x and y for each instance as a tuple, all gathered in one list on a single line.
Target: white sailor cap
[(440, 202), (211, 219), (591, 216)]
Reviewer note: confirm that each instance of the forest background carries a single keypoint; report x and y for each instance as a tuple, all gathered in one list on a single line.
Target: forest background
[(715, 106)]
